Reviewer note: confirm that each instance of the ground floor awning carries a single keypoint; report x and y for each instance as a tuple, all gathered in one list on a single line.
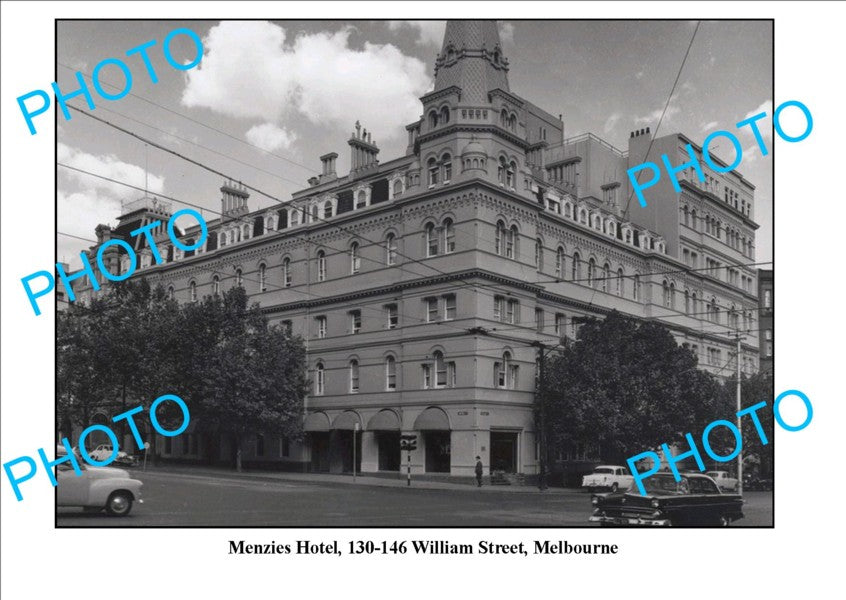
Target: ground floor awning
[(432, 419), (384, 420), (316, 421), (347, 421)]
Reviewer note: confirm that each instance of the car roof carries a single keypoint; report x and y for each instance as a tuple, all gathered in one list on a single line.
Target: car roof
[(609, 467)]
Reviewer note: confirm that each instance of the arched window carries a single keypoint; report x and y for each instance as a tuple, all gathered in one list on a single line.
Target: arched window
[(321, 265), (327, 209), (446, 161), (315, 216), (511, 240), (672, 295), (539, 254), (591, 273), (239, 278), (353, 376), (501, 170), (693, 303), (192, 294), (391, 249), (576, 273), (685, 215), (503, 118), (397, 187), (440, 369), (620, 284), (636, 288), (433, 119), (170, 292), (433, 171), (431, 240), (390, 373), (510, 173), (444, 118), (286, 272), (262, 280), (686, 302), (500, 238), (559, 263), (215, 285), (666, 288), (505, 372), (355, 259), (583, 216), (448, 230), (693, 223), (295, 217), (606, 275), (361, 199), (319, 379)]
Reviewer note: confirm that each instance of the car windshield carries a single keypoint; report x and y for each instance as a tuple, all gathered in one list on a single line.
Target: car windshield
[(713, 473), (605, 470), (662, 484)]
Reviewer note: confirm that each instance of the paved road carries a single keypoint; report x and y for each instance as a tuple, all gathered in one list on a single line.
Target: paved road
[(178, 499)]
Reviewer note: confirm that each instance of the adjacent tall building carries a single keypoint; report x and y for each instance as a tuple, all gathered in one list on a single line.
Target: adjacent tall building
[(420, 284)]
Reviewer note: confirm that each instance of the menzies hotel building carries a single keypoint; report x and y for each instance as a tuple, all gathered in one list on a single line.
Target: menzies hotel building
[(422, 284)]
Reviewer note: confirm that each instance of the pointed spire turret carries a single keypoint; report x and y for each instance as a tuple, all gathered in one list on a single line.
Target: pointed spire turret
[(471, 58)]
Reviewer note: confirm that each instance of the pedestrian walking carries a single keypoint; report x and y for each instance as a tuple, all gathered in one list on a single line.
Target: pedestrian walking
[(479, 470)]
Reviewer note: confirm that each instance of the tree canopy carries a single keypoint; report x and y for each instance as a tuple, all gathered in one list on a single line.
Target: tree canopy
[(628, 386), (131, 344)]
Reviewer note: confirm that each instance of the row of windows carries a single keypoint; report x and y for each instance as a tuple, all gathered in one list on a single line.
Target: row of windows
[(606, 224), (436, 373), (714, 227), (441, 308)]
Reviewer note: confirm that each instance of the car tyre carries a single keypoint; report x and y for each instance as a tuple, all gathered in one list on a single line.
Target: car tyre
[(614, 487), (119, 504), (724, 521)]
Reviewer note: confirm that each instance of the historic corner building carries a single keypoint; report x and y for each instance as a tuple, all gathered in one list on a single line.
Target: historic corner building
[(422, 284)]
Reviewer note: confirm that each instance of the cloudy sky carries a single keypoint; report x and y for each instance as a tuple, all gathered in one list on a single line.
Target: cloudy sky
[(270, 97)]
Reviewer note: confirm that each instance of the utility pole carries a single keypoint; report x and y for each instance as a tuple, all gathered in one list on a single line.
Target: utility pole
[(739, 425), (542, 393)]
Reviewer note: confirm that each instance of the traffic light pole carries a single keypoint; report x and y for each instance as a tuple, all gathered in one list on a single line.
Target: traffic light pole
[(542, 393)]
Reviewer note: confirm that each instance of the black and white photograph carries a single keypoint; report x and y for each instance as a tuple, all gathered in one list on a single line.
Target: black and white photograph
[(463, 290), (399, 285)]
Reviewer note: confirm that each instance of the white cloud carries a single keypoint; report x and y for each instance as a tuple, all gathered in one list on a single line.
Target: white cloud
[(651, 119), (506, 32), (268, 136), (639, 75), (428, 32), (764, 125), (707, 127), (249, 71), (83, 201), (611, 122), (106, 166)]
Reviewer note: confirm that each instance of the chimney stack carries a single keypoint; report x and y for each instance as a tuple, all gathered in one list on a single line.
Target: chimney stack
[(363, 149), (233, 201), (328, 161)]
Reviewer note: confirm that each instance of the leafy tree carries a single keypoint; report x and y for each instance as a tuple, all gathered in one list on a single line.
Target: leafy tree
[(627, 385), (253, 373), (132, 344)]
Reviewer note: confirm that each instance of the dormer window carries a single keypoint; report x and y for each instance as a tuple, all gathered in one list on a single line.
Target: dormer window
[(361, 199)]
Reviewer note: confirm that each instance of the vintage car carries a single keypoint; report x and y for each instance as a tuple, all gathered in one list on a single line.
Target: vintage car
[(105, 451), (608, 477), (695, 500), (726, 482), (97, 488)]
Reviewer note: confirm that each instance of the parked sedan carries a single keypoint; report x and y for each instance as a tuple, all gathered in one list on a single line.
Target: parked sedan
[(694, 500), (609, 477), (724, 480), (97, 488)]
